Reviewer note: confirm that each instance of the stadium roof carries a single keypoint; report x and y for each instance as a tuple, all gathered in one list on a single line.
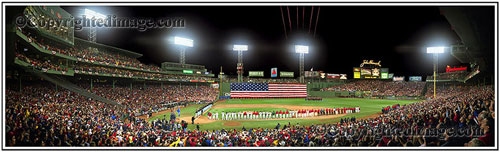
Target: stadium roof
[(472, 26), (109, 48)]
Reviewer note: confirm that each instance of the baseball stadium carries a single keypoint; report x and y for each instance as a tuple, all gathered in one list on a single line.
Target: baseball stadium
[(305, 82)]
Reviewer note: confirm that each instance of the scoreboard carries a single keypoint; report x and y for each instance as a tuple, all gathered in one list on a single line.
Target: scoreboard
[(370, 70), (370, 73)]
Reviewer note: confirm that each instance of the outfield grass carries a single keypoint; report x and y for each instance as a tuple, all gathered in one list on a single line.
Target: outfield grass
[(367, 106)]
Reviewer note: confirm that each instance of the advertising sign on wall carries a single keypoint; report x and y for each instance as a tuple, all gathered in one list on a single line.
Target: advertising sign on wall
[(415, 78), (286, 74), (256, 73), (397, 78), (274, 72), (343, 76)]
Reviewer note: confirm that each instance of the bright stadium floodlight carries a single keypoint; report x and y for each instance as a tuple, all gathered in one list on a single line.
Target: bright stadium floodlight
[(239, 65), (183, 41), (240, 47), (92, 14), (434, 50), (93, 30), (301, 49)]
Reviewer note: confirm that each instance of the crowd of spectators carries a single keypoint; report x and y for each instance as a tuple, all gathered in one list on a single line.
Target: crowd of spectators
[(41, 64), (83, 53), (455, 75), (103, 57), (400, 89), (146, 99), (41, 116), (381, 88), (261, 80), (80, 68), (443, 89)]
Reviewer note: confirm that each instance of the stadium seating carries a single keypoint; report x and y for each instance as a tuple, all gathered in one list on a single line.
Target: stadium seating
[(42, 116)]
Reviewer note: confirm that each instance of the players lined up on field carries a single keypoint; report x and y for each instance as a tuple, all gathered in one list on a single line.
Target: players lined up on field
[(281, 114)]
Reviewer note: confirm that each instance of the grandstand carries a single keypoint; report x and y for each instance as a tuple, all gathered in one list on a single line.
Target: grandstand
[(64, 91)]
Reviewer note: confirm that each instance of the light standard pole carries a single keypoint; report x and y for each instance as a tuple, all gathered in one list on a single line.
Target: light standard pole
[(435, 56), (93, 30), (239, 65), (183, 43), (182, 55), (435, 51), (301, 67), (301, 49)]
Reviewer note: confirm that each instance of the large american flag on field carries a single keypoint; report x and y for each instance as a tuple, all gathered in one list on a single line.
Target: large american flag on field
[(268, 90)]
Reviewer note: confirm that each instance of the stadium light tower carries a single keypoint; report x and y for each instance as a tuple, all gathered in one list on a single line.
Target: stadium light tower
[(239, 65), (435, 51), (301, 49), (183, 43), (92, 15)]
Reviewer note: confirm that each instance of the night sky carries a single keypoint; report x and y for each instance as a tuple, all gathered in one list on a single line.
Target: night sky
[(345, 36)]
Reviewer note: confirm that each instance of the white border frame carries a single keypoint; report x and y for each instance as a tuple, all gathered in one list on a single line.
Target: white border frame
[(252, 3)]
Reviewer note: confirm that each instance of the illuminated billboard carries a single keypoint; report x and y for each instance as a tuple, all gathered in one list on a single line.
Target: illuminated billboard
[(449, 69), (375, 72), (274, 72), (343, 76), (332, 76), (311, 74), (187, 71), (357, 75), (384, 73), (370, 73), (415, 78), (366, 71), (397, 78), (256, 73), (390, 75), (286, 74), (384, 76)]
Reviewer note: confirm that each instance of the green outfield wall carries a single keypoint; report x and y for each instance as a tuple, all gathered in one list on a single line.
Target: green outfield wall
[(317, 86), (326, 94)]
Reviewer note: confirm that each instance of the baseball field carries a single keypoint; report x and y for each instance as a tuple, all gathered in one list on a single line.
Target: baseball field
[(368, 108)]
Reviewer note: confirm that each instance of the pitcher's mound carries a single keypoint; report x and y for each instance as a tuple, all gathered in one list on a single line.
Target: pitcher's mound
[(232, 124)]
